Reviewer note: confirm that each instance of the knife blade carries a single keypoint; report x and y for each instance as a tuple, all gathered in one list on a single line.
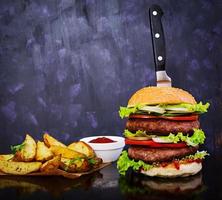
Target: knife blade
[(158, 43)]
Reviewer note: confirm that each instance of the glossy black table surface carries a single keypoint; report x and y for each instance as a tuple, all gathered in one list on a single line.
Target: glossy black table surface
[(107, 184)]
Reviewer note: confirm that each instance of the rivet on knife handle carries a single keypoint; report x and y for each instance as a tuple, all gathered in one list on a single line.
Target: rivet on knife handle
[(158, 39)]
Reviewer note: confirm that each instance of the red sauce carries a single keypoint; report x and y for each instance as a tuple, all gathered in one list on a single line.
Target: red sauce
[(101, 140), (198, 161), (164, 164), (192, 160), (176, 164)]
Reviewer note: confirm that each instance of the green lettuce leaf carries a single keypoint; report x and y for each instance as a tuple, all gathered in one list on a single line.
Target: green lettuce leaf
[(171, 138), (197, 138), (125, 111), (138, 133), (166, 110), (198, 155), (196, 108), (124, 163)]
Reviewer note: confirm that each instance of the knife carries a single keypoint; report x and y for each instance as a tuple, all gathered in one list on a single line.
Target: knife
[(158, 43)]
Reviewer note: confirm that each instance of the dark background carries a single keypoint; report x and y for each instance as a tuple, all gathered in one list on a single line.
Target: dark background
[(66, 66)]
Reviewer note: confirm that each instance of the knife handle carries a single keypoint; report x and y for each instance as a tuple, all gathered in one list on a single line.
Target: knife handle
[(158, 40)]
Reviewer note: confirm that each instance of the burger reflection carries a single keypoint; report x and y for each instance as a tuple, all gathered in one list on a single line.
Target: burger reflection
[(138, 186), (55, 186)]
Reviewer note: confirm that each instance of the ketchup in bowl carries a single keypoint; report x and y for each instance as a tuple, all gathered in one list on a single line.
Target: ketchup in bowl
[(106, 147), (101, 140)]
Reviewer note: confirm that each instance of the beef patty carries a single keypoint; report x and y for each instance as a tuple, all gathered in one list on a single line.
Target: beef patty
[(161, 126), (150, 155)]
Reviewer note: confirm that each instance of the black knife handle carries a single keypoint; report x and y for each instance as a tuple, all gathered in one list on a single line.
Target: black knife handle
[(158, 39)]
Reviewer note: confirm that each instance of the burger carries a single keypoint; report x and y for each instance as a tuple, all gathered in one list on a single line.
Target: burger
[(163, 133)]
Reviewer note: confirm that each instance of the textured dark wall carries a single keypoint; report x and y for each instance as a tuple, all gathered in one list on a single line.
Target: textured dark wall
[(67, 65)]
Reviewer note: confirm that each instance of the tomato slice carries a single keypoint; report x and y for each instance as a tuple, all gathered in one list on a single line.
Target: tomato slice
[(176, 118), (151, 143)]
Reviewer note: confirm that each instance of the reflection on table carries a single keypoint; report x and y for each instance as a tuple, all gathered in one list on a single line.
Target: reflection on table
[(137, 186), (53, 185)]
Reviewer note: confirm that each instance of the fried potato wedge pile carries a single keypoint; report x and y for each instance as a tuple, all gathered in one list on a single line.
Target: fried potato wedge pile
[(47, 156)]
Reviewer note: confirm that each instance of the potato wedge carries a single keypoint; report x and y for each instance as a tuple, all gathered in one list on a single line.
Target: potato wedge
[(19, 168), (66, 152), (75, 165), (27, 151), (6, 157), (51, 165), (82, 147), (43, 153), (51, 141)]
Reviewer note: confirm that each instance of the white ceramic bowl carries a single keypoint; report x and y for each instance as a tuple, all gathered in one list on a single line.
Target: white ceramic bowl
[(109, 152)]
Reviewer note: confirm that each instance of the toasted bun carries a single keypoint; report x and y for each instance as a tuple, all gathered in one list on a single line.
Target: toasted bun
[(160, 95), (170, 171)]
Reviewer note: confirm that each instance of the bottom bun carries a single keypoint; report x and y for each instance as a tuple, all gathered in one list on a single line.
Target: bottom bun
[(170, 171)]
